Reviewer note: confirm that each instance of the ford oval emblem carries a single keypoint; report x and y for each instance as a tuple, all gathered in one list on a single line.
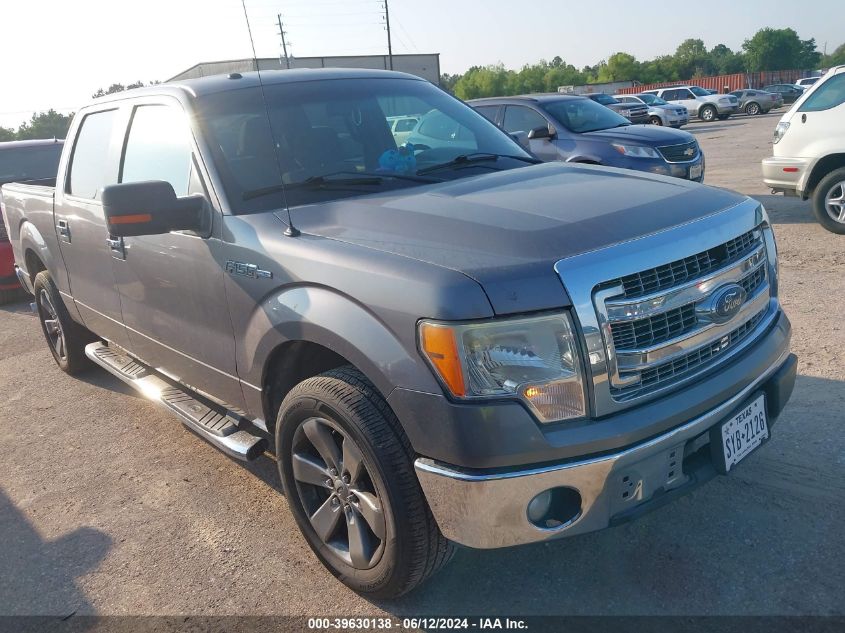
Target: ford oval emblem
[(726, 302)]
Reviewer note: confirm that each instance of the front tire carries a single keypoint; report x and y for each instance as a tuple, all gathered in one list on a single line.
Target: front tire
[(829, 201), (708, 113), (65, 337), (347, 471), (655, 120)]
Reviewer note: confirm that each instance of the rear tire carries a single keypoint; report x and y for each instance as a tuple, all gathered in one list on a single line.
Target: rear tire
[(752, 109), (655, 120), (829, 201), (708, 113), (65, 337), (341, 453)]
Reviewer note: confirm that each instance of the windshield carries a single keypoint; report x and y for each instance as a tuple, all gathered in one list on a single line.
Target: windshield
[(652, 99), (583, 115), (604, 99), (29, 163), (341, 127), (699, 92)]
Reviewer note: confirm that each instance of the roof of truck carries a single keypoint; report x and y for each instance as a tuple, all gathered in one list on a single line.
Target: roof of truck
[(30, 143), (234, 81)]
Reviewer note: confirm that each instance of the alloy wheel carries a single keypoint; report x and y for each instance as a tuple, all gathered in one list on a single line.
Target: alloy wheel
[(52, 325), (834, 202), (337, 492), (752, 109)]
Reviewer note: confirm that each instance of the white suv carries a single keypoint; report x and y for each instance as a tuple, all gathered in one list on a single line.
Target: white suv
[(809, 150), (699, 102)]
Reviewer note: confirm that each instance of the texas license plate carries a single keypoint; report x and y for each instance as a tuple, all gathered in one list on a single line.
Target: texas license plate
[(695, 172), (742, 433)]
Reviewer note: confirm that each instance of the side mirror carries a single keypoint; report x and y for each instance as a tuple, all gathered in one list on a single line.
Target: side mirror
[(541, 132), (150, 208), (521, 138)]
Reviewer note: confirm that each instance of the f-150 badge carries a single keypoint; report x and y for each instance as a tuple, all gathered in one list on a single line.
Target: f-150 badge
[(247, 270)]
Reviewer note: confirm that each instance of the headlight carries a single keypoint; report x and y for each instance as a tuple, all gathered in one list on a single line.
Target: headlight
[(534, 359), (636, 151), (771, 251), (780, 130)]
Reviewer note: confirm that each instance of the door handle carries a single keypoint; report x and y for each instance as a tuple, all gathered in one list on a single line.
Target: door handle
[(804, 118), (64, 229)]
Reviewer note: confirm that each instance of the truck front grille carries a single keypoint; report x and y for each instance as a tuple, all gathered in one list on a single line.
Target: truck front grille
[(660, 327), (679, 153), (680, 271)]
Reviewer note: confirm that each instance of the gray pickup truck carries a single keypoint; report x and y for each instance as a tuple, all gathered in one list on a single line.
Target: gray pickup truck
[(439, 344)]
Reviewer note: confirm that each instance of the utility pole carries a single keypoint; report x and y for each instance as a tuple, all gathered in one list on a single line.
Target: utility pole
[(389, 46), (284, 44)]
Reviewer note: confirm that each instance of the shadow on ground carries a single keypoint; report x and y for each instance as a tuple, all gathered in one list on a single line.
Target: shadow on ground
[(38, 576)]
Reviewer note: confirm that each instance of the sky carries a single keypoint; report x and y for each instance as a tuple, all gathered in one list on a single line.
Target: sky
[(57, 53)]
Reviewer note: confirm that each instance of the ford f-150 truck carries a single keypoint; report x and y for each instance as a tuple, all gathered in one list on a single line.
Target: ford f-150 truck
[(442, 343)]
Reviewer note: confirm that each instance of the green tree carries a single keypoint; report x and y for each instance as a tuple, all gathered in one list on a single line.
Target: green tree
[(692, 59), (618, 67), (120, 88), (6, 134), (725, 61), (779, 49), (836, 58), (50, 124)]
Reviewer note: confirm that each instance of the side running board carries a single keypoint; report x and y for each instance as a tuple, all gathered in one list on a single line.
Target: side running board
[(217, 426)]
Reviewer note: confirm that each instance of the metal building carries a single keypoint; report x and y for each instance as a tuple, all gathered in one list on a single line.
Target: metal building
[(426, 66)]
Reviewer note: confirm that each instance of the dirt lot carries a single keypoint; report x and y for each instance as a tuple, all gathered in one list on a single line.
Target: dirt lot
[(109, 506)]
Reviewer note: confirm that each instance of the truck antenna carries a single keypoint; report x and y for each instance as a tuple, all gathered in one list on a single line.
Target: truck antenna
[(291, 231)]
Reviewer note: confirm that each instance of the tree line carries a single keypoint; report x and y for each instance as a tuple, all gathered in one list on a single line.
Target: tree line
[(52, 124), (768, 49)]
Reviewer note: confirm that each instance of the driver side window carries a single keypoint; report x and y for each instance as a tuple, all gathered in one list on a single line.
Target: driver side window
[(522, 119), (158, 148)]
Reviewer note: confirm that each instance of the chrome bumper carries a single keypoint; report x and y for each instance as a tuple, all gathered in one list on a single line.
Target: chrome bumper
[(487, 511)]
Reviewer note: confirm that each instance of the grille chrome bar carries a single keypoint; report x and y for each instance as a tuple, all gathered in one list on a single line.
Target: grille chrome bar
[(640, 359), (691, 291)]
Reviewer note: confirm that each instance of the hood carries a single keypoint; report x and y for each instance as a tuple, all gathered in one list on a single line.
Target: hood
[(652, 135), (507, 229)]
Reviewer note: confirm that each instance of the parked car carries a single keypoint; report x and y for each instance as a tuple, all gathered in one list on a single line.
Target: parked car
[(401, 127), (788, 92), (754, 102), (467, 347), (659, 111), (809, 151), (35, 162), (634, 112), (699, 102), (806, 82), (579, 130)]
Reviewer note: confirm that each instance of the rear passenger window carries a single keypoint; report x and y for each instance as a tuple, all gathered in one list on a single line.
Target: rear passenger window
[(828, 95), (90, 169), (488, 112), (158, 148)]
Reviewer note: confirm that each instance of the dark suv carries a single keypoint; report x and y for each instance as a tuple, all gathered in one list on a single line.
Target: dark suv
[(579, 130), (789, 92), (634, 112)]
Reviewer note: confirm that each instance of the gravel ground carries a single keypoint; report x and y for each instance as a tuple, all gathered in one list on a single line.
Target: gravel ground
[(109, 506)]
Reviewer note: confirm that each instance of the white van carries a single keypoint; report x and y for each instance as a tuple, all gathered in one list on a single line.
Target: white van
[(809, 150)]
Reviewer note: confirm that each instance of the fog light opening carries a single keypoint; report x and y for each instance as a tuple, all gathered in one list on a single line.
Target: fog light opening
[(554, 508)]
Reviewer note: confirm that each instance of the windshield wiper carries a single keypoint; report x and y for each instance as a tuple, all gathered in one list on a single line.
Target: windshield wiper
[(362, 178), (477, 157)]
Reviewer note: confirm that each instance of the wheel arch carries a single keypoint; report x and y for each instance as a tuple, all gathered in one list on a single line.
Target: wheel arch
[(304, 331), (821, 169)]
